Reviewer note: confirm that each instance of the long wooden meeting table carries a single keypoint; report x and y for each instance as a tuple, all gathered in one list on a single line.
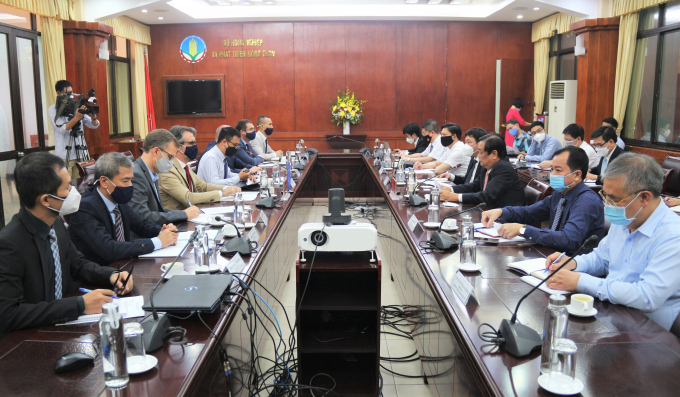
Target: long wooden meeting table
[(621, 351)]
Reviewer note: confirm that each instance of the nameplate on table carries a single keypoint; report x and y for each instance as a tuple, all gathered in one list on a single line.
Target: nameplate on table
[(253, 235), (463, 288), (412, 222), (263, 218), (292, 183), (296, 172), (235, 265), (381, 171), (394, 197)]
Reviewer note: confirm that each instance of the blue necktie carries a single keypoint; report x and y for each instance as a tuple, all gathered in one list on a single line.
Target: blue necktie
[(226, 169), (57, 264), (558, 215), (604, 165)]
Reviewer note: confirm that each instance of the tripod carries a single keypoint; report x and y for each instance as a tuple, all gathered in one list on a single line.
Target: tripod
[(77, 141)]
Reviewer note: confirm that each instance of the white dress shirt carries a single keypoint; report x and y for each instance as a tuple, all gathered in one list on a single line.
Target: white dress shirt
[(459, 154), (211, 169), (593, 158), (61, 135), (435, 149)]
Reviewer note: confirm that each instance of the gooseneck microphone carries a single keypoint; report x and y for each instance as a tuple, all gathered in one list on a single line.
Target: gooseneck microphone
[(521, 340), (413, 199), (443, 241), (238, 244), (156, 328), (267, 202)]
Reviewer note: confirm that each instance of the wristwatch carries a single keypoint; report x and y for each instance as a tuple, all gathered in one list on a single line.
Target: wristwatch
[(522, 230)]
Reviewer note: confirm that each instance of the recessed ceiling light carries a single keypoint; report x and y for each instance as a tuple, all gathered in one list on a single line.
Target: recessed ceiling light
[(144, 10), (270, 2), (434, 1), (520, 16), (454, 2), (160, 17), (247, 2), (411, 1), (536, 8)]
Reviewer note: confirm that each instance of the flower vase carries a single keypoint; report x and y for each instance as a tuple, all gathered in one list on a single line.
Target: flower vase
[(345, 128)]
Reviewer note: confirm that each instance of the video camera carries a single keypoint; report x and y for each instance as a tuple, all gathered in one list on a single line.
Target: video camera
[(67, 104)]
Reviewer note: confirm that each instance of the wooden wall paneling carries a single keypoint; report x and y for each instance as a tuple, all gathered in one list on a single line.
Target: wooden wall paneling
[(371, 74), (421, 72), (270, 82), (514, 40), (517, 80), (471, 74), (319, 74)]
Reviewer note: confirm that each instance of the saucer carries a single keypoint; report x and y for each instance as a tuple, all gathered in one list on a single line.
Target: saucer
[(571, 311), (431, 225), (560, 384), (249, 225), (217, 223), (169, 276), (401, 183), (453, 229), (140, 364), (470, 268)]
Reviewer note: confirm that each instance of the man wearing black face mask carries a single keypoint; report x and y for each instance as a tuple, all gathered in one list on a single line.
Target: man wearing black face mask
[(260, 144), (101, 228), (39, 265), (214, 168), (245, 157)]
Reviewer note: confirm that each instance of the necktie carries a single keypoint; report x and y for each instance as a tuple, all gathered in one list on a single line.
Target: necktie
[(226, 169), (471, 175), (118, 227), (486, 179), (266, 145), (558, 215), (604, 165), (191, 184), (57, 264)]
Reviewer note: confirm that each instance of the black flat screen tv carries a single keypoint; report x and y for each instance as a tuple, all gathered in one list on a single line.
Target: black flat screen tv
[(194, 97)]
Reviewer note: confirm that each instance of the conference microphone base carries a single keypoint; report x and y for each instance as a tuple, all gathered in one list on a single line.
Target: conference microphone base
[(155, 332), (520, 340), (267, 202), (299, 166), (414, 200), (236, 244), (312, 151), (443, 241)]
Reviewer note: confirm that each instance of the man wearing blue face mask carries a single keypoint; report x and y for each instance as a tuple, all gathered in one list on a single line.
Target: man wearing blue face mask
[(574, 211), (102, 227), (636, 265), (265, 128), (245, 156)]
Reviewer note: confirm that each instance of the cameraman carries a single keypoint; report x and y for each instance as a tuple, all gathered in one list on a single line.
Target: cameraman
[(62, 129)]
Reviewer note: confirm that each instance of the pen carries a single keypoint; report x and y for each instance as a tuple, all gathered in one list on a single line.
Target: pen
[(486, 234), (190, 205), (87, 291), (556, 261)]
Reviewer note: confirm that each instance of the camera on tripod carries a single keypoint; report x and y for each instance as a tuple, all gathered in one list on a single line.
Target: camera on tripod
[(68, 104)]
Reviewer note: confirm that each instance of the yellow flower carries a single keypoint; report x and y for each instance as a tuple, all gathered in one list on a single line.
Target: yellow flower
[(342, 104), (335, 108), (342, 114), (352, 114)]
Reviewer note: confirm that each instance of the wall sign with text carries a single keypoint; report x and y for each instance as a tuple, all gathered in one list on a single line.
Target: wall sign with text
[(243, 48), (193, 49)]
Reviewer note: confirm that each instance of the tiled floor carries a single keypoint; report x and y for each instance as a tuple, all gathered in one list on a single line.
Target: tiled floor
[(390, 345)]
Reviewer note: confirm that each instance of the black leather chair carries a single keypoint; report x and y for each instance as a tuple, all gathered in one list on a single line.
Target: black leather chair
[(536, 191), (673, 184), (675, 328), (667, 173)]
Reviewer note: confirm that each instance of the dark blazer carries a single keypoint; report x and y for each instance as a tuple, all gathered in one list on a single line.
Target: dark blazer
[(461, 180), (146, 200), (91, 230), (27, 276), (421, 145), (245, 157), (503, 189), (596, 171)]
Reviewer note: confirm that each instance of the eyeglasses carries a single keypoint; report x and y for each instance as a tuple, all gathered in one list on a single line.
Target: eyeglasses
[(608, 201), (170, 156), (192, 143), (538, 131)]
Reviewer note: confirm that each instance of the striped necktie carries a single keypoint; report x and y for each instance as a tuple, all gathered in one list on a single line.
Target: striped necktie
[(118, 227), (558, 215), (57, 264)]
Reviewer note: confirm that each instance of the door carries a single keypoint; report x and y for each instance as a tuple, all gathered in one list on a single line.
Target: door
[(517, 81)]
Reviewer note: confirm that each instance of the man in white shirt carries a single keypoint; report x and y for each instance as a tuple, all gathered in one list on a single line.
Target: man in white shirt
[(457, 156), (61, 127), (574, 136), (261, 143), (214, 168), (434, 151), (611, 122)]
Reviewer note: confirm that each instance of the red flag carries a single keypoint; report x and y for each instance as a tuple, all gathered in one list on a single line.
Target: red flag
[(150, 115)]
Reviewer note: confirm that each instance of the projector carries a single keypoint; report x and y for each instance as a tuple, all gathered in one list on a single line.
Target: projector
[(338, 238)]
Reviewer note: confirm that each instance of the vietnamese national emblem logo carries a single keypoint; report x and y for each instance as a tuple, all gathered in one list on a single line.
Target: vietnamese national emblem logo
[(193, 49)]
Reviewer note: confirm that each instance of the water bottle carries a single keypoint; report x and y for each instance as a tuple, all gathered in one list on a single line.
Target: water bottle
[(298, 149), (264, 183), (554, 327), (400, 177), (434, 198), (113, 347), (468, 247), (238, 207), (410, 182), (275, 174), (201, 251)]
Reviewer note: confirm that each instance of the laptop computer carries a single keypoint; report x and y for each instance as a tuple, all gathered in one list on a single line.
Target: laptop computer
[(190, 293)]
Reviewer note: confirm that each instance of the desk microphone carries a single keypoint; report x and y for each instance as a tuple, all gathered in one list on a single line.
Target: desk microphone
[(156, 328), (267, 202), (521, 340), (415, 200), (238, 244), (442, 240)]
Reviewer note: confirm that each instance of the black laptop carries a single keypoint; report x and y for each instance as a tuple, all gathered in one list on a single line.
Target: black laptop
[(201, 293)]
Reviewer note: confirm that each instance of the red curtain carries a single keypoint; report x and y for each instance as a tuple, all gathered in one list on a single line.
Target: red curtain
[(150, 115)]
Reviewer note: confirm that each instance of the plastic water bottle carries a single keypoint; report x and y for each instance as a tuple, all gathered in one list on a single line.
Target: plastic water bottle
[(113, 347), (201, 250), (264, 183), (555, 326), (468, 247), (410, 182), (238, 207)]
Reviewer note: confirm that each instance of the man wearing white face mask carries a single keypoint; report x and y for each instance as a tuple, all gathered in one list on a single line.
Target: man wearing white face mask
[(39, 265), (415, 138), (604, 142), (574, 136), (543, 146), (636, 265)]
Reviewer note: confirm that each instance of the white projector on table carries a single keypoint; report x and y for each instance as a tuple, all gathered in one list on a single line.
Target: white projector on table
[(338, 238)]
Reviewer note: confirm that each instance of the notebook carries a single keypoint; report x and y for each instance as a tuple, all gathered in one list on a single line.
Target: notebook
[(531, 267)]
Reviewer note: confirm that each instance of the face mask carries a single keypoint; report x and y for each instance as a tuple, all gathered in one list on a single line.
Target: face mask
[(557, 182), (191, 152), (513, 132), (163, 164), (568, 143), (230, 151), (446, 140), (121, 194), (602, 151), (410, 140), (540, 137), (665, 133), (269, 131), (70, 203), (617, 215), (251, 135)]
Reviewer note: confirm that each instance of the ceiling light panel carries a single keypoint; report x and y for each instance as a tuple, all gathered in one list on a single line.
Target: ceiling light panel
[(411, 1), (434, 1)]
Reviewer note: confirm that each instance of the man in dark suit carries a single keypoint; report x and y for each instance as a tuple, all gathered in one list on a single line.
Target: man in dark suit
[(472, 138), (603, 140), (39, 265), (101, 228), (146, 199), (245, 156), (497, 185)]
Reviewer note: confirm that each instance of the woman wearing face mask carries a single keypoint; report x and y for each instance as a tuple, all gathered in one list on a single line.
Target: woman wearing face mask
[(513, 113), (415, 138)]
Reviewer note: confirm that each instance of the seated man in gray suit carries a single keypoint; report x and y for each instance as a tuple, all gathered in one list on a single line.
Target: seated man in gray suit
[(146, 199)]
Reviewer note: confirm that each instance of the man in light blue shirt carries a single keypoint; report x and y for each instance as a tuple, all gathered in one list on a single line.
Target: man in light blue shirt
[(638, 263), (214, 168), (543, 146)]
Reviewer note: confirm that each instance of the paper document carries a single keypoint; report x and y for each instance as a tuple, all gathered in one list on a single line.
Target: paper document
[(228, 209), (531, 280), (128, 307), (492, 232), (676, 209), (167, 252), (531, 267), (247, 196), (591, 183), (420, 172), (202, 219)]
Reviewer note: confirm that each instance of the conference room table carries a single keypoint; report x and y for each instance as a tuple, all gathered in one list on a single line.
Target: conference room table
[(621, 352)]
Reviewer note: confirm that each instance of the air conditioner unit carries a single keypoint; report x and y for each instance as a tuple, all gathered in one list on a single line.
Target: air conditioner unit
[(562, 107)]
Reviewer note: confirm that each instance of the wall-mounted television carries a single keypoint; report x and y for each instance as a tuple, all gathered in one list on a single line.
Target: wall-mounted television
[(193, 97)]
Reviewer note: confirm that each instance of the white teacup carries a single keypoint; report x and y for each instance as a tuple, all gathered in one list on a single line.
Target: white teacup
[(582, 303), (450, 224), (177, 268)]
